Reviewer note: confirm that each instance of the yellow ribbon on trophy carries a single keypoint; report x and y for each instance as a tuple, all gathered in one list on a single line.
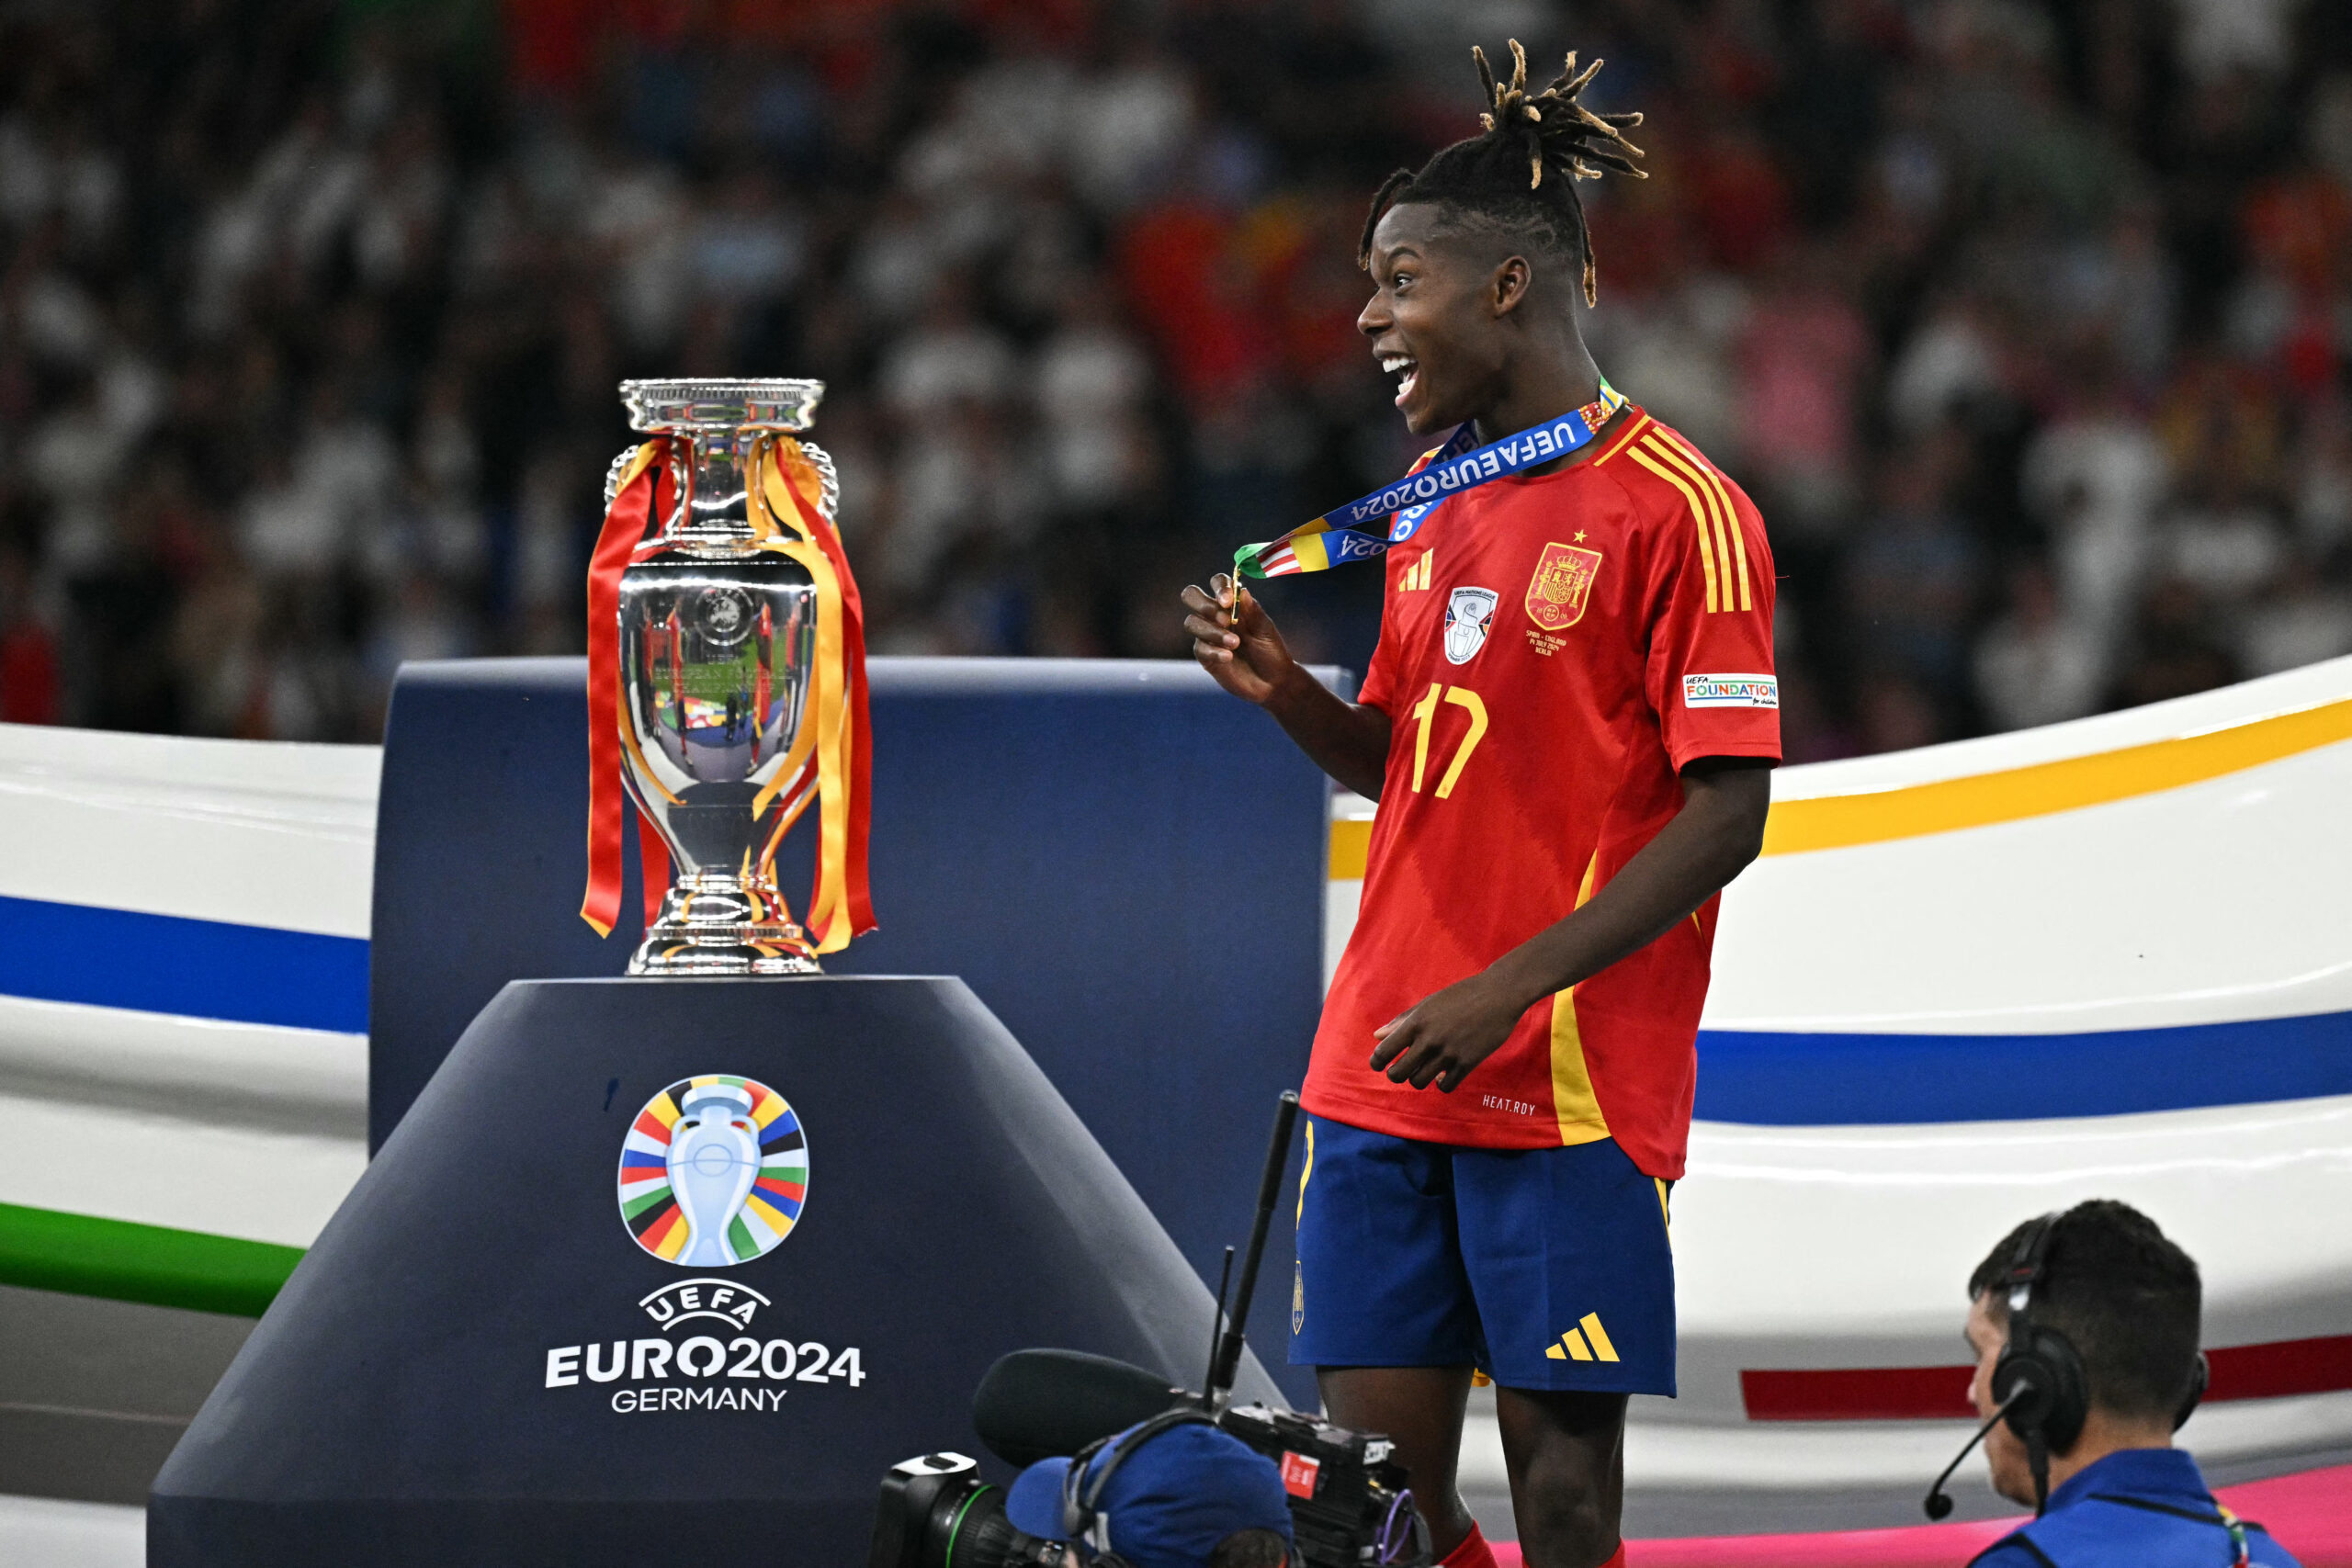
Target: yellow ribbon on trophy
[(781, 501)]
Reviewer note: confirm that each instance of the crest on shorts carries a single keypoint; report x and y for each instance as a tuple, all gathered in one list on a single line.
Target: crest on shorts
[(1468, 613), (1556, 594)]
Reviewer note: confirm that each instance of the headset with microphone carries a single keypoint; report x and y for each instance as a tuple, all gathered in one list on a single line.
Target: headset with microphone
[(2039, 1385)]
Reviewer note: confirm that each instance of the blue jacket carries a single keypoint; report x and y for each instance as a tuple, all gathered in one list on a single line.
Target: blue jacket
[(2136, 1508)]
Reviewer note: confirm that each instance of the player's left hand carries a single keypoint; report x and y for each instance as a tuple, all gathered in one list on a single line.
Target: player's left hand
[(1447, 1034)]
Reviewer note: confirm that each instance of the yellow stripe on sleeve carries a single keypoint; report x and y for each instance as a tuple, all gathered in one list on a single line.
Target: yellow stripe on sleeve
[(1727, 514), (1698, 515), (1677, 459)]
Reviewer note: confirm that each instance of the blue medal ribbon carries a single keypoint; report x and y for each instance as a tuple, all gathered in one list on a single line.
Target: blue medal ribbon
[(1365, 529)]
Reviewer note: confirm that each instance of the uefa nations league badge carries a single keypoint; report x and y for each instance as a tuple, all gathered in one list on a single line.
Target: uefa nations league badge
[(1468, 613), (714, 1171)]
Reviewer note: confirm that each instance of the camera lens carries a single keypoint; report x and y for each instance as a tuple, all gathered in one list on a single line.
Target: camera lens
[(980, 1536), (936, 1512)]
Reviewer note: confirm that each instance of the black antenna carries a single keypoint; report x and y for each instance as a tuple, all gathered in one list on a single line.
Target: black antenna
[(1217, 1329), (1228, 1356)]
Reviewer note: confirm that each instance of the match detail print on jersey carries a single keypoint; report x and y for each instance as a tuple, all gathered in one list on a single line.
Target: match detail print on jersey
[(1722, 553)]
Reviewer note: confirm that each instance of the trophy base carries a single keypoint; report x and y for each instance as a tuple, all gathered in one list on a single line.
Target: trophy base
[(779, 950), (714, 926)]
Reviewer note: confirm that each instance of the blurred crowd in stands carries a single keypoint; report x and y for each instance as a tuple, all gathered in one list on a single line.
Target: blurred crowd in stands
[(2026, 323)]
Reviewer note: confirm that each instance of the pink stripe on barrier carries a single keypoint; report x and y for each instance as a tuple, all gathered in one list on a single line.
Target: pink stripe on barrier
[(2309, 1514)]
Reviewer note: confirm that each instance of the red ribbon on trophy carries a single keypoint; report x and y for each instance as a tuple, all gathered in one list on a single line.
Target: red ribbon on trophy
[(830, 759), (645, 493)]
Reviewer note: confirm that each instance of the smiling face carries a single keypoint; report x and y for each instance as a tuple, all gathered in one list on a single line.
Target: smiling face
[(1442, 316)]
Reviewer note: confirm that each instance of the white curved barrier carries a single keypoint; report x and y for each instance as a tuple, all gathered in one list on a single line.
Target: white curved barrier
[(1965, 983), (232, 1126), (2215, 901)]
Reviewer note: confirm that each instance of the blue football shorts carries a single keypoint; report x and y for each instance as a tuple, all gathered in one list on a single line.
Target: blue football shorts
[(1544, 1268)]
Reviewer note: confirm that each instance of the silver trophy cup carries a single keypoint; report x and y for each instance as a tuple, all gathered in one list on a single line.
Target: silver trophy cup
[(716, 640)]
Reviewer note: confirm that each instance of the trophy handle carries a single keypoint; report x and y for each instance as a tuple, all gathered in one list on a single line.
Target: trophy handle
[(613, 475), (828, 498)]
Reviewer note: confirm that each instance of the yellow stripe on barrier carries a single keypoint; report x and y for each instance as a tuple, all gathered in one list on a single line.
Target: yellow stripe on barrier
[(1350, 846), (1841, 821)]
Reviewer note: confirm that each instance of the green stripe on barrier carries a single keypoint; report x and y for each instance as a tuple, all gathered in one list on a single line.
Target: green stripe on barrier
[(83, 1255)]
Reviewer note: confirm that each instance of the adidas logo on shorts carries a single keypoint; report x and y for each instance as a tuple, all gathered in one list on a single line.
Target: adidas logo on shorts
[(1590, 1345)]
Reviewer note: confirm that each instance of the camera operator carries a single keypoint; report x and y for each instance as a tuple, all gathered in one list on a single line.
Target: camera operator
[(2085, 1325), (1163, 1494)]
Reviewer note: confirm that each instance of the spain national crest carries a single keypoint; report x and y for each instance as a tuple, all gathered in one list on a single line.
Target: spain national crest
[(1556, 594)]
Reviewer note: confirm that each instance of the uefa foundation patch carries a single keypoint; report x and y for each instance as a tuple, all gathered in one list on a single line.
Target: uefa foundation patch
[(1731, 691), (713, 1172)]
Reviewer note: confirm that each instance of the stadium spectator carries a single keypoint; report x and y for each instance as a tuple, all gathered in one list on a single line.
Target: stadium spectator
[(311, 316)]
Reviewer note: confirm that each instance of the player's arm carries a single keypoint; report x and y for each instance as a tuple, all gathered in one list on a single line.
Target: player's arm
[(1236, 643), (1709, 842)]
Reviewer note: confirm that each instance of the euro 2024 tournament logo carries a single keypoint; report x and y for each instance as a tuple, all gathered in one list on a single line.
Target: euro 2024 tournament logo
[(713, 1172)]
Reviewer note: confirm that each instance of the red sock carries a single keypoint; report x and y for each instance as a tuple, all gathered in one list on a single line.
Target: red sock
[(1474, 1552)]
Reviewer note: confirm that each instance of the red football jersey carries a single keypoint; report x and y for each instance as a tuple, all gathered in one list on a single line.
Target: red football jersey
[(1551, 652)]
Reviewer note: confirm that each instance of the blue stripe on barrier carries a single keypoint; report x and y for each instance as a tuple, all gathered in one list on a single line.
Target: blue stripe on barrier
[(73, 953), (1825, 1080), (120, 958)]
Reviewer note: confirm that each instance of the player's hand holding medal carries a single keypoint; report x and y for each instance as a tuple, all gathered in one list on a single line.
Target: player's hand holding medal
[(1236, 640)]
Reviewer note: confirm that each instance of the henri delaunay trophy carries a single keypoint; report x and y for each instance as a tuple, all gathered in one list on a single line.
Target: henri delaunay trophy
[(739, 676)]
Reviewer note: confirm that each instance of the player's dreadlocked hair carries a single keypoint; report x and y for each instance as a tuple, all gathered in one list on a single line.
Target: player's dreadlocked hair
[(1495, 183)]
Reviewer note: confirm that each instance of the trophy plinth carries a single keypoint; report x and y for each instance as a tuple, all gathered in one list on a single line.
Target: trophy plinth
[(570, 1318), (717, 651)]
